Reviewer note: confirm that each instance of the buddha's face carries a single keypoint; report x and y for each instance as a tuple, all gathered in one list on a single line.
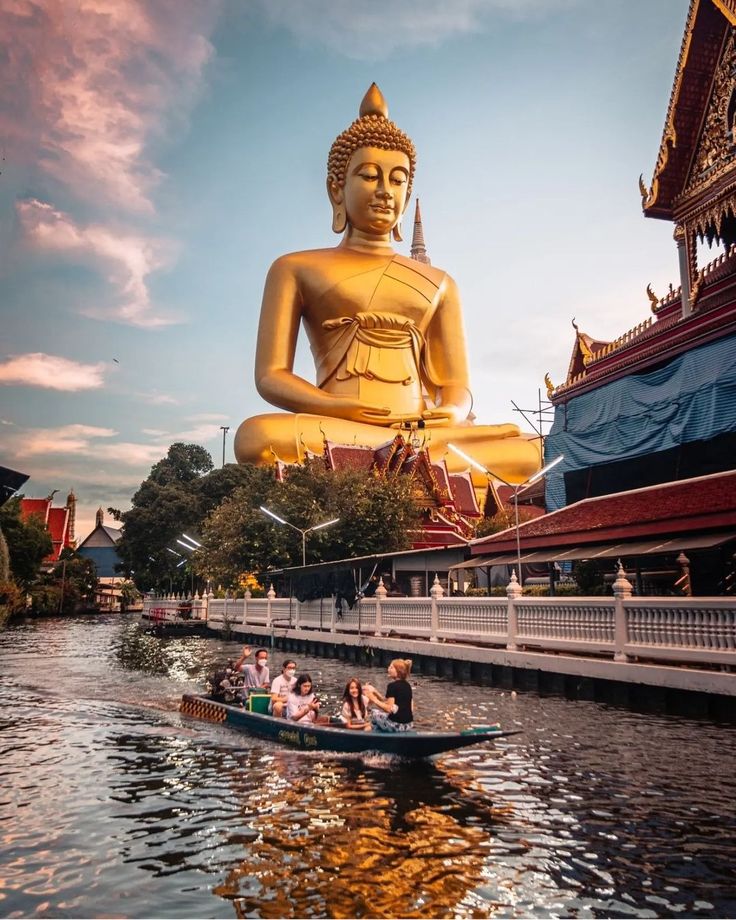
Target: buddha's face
[(375, 190)]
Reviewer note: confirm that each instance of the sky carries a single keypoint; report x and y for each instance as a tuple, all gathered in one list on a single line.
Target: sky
[(157, 155)]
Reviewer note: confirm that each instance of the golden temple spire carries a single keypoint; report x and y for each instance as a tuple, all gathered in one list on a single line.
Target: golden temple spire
[(418, 249)]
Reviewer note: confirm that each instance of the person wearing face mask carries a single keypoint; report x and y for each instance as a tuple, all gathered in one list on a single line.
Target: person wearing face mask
[(281, 687), (256, 676)]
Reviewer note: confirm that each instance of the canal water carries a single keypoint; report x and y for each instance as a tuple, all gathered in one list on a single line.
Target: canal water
[(114, 805)]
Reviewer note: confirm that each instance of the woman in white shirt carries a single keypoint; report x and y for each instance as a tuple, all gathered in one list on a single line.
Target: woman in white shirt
[(303, 705), (281, 687), (354, 711)]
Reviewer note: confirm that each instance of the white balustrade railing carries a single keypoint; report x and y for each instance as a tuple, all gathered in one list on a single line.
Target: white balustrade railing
[(674, 629)]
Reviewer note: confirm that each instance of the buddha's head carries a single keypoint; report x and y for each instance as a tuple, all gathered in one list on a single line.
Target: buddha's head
[(370, 171)]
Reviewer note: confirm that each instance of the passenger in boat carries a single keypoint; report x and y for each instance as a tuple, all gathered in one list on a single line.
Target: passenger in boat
[(354, 711), (303, 705), (257, 676), (240, 663), (395, 711), (281, 688)]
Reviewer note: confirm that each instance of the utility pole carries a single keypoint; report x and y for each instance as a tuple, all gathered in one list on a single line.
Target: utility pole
[(225, 429)]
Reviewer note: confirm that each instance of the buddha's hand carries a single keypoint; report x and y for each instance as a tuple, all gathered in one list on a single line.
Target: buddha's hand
[(356, 410), (448, 414)]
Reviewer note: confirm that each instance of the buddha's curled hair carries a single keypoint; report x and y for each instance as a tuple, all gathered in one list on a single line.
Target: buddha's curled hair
[(371, 129)]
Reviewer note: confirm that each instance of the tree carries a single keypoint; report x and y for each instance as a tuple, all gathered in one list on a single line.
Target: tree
[(376, 515), (29, 542), (180, 491), (67, 587)]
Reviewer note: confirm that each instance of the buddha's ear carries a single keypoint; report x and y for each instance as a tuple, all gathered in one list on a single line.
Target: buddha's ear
[(337, 200), (335, 192)]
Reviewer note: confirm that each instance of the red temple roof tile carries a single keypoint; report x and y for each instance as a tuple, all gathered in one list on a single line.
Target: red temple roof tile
[(687, 505), (461, 486)]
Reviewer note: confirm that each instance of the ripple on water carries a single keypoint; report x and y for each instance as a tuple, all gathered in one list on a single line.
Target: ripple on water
[(112, 803)]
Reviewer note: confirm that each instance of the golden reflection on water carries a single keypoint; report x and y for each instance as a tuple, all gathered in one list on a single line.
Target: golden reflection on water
[(339, 843)]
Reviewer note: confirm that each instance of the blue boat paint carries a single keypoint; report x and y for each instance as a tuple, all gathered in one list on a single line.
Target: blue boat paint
[(311, 737)]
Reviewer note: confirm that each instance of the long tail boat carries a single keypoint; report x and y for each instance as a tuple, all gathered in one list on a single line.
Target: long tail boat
[(335, 736)]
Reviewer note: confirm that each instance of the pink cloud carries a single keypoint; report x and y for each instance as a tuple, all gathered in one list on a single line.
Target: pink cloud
[(66, 439), (51, 372), (88, 84), (127, 259)]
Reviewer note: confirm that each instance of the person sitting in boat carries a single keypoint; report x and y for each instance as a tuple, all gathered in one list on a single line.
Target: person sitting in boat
[(395, 711), (354, 713), (240, 663), (303, 705), (256, 676), (281, 687)]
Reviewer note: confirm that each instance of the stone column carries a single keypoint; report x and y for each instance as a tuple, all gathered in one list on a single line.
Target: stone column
[(622, 590), (513, 593), (381, 593), (436, 592), (270, 595)]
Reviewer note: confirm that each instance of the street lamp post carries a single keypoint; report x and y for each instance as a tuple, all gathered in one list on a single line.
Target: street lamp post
[(302, 530), (517, 487), (224, 429)]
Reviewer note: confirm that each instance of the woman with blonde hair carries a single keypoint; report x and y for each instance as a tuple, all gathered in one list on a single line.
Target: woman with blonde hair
[(394, 712)]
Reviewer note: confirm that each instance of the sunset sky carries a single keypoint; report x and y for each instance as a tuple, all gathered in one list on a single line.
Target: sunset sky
[(157, 155)]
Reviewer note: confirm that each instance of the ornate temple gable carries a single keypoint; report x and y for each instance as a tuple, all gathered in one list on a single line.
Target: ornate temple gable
[(584, 350), (707, 25)]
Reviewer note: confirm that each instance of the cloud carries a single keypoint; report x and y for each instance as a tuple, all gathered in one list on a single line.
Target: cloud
[(66, 439), (377, 30), (130, 453), (82, 441), (159, 399), (86, 85), (127, 259), (52, 372)]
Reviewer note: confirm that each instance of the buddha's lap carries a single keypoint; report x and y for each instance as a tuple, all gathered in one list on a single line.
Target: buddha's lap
[(288, 435)]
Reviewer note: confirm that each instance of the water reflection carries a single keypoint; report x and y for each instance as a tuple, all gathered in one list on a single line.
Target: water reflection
[(351, 839), (111, 798)]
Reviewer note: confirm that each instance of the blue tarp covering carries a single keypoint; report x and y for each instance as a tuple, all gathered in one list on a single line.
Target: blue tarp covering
[(692, 398)]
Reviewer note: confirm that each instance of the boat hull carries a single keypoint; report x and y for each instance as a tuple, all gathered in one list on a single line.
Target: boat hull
[(311, 737)]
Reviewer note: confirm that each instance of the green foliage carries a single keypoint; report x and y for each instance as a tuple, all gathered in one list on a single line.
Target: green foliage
[(589, 576), (67, 587), (179, 492), (504, 519), (375, 515), (12, 600), (183, 463), (28, 542), (4, 558), (130, 595)]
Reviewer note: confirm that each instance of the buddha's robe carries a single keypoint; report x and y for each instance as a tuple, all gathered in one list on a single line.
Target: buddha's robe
[(374, 345)]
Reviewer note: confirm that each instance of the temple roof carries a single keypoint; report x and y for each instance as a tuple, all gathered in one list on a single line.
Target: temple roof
[(681, 507), (706, 26), (461, 487)]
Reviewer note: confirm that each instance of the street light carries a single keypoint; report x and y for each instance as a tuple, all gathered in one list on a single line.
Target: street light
[(303, 531), (516, 487), (224, 429), (192, 545)]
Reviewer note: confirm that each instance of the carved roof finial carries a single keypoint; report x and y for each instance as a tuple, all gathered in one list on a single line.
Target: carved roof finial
[(653, 299)]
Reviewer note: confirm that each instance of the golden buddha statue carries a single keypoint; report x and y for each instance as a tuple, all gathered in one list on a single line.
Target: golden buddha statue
[(386, 331)]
